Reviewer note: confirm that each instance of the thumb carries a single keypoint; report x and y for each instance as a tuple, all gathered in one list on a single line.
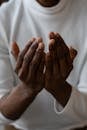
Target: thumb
[(15, 50), (73, 53)]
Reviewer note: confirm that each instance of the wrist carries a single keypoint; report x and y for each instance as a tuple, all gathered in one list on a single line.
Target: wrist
[(65, 93), (17, 101), (62, 93), (28, 91)]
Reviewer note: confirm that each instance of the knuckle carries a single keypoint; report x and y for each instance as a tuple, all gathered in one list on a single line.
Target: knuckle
[(38, 54), (33, 64), (29, 43), (34, 46), (26, 59)]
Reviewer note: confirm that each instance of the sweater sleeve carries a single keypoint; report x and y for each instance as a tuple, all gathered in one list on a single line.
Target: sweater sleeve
[(6, 71), (76, 108)]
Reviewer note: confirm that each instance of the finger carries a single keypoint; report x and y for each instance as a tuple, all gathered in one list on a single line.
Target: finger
[(49, 66), (51, 58), (56, 67), (60, 47), (64, 60), (28, 58), (37, 58), (52, 45), (63, 67), (39, 40), (40, 73), (22, 54), (52, 49), (30, 53), (41, 65), (57, 37), (63, 54), (34, 65), (26, 61), (51, 35), (71, 56), (53, 52), (15, 50), (73, 53), (64, 50), (66, 65)]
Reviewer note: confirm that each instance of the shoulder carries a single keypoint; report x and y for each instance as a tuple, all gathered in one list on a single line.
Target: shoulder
[(9, 8), (80, 5), (78, 12), (8, 14), (8, 11)]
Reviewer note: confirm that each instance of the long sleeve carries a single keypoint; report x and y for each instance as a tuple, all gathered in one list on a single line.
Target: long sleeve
[(75, 111), (6, 72)]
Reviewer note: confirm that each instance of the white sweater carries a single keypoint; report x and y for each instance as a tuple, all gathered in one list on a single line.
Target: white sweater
[(20, 20)]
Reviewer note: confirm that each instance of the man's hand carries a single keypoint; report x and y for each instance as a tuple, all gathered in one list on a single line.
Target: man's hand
[(30, 64), (29, 68), (64, 55), (59, 64)]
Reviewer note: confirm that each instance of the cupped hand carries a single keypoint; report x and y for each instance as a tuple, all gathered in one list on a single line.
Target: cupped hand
[(30, 64), (59, 62)]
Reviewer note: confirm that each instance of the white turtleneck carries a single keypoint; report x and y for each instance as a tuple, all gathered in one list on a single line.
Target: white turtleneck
[(19, 21)]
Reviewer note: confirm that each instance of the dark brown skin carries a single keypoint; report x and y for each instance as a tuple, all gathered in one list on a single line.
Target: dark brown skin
[(59, 64), (48, 3), (30, 64), (29, 68)]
